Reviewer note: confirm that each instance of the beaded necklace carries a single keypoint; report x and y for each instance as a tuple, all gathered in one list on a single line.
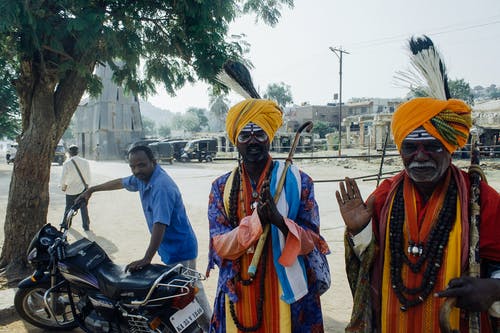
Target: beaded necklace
[(433, 249), (419, 228)]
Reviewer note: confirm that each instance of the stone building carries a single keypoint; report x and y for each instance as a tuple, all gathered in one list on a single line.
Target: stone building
[(106, 125), (486, 118), (364, 123)]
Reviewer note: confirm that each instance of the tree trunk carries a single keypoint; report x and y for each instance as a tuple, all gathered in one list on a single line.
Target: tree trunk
[(28, 192), (46, 112)]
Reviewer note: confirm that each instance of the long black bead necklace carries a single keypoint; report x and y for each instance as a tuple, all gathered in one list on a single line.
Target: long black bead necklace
[(432, 250)]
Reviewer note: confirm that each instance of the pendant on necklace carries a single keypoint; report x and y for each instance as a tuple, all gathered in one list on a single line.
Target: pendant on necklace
[(415, 249), (255, 194)]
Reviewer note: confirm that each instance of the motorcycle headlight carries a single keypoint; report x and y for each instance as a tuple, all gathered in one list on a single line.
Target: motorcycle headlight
[(32, 255)]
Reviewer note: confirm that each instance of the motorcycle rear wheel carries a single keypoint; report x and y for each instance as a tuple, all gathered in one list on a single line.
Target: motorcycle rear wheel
[(30, 306)]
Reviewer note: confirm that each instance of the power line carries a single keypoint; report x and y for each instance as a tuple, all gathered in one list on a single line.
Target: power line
[(439, 31)]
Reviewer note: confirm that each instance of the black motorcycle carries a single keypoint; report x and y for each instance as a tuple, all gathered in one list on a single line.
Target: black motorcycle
[(77, 285)]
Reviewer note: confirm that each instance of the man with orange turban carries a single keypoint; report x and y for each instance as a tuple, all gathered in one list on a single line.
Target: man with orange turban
[(283, 294), (407, 246)]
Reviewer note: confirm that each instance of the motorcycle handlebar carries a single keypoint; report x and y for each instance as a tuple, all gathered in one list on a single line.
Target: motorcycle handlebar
[(66, 223), (76, 206)]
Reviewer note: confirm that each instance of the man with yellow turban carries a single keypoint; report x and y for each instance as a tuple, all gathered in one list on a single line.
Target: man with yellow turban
[(407, 246), (283, 294)]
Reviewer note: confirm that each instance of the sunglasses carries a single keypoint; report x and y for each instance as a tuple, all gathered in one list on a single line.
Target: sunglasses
[(410, 148), (245, 137)]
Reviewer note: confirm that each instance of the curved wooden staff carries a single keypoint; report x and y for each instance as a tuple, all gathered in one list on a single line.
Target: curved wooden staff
[(252, 269), (476, 175)]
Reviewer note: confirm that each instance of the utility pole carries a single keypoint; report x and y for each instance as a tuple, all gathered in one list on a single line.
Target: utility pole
[(339, 52)]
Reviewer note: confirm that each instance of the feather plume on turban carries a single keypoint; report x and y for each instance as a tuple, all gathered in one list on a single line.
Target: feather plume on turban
[(449, 121), (264, 113)]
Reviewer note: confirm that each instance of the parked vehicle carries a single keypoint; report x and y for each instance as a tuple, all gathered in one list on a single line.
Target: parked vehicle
[(78, 285), (141, 142), (163, 151), (178, 148), (60, 155), (200, 149), (10, 155)]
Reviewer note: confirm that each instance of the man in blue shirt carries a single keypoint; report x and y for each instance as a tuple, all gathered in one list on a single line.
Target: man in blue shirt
[(171, 232)]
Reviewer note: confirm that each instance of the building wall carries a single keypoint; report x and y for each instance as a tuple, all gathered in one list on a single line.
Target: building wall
[(372, 130), (112, 121)]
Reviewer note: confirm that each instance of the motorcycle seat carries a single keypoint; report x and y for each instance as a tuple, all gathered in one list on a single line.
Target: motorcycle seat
[(116, 284)]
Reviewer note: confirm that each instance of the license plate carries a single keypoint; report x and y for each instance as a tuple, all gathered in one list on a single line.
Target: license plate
[(185, 317)]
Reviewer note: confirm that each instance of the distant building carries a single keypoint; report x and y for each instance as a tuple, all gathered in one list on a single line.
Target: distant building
[(486, 119), (364, 122), (109, 122)]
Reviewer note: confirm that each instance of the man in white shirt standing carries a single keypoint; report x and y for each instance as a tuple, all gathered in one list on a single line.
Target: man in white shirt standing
[(74, 180)]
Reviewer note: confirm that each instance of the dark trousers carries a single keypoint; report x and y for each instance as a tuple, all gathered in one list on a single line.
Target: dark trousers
[(70, 200)]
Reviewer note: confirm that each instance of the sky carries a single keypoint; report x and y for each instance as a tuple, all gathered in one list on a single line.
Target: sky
[(374, 33)]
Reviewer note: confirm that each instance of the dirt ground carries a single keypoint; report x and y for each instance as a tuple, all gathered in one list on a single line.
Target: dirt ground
[(117, 221)]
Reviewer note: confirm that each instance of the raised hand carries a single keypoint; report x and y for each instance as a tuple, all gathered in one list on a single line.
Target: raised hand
[(354, 211)]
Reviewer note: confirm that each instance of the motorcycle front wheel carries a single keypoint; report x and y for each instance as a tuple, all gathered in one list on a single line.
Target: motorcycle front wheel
[(29, 304)]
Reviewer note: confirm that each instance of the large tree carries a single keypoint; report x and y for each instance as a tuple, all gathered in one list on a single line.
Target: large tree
[(201, 118), (459, 88), (219, 106), (56, 45), (279, 92)]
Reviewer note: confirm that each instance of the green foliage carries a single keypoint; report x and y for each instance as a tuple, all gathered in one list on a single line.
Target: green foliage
[(69, 134), (269, 9), (177, 41), (219, 106), (323, 128), (280, 93), (195, 119), (148, 127), (461, 90), (417, 92), (490, 92), (458, 89), (10, 118), (191, 123), (177, 121), (164, 131), (493, 92)]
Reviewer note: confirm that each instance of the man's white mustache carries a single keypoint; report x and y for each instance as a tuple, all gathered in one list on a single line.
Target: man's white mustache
[(427, 164)]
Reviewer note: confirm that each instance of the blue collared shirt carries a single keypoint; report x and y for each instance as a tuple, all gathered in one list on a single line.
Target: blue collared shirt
[(162, 203)]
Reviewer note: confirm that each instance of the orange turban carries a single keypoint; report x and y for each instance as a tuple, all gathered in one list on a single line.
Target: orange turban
[(449, 121), (262, 112)]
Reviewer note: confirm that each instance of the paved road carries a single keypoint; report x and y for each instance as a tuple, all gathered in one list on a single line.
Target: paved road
[(117, 221)]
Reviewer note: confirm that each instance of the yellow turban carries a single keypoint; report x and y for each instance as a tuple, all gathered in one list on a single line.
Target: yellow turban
[(448, 121), (262, 112)]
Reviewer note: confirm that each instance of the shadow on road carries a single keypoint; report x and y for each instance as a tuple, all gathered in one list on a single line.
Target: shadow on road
[(13, 323), (103, 242)]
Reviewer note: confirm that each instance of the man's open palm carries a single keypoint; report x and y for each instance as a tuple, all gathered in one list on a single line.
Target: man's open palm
[(354, 211)]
